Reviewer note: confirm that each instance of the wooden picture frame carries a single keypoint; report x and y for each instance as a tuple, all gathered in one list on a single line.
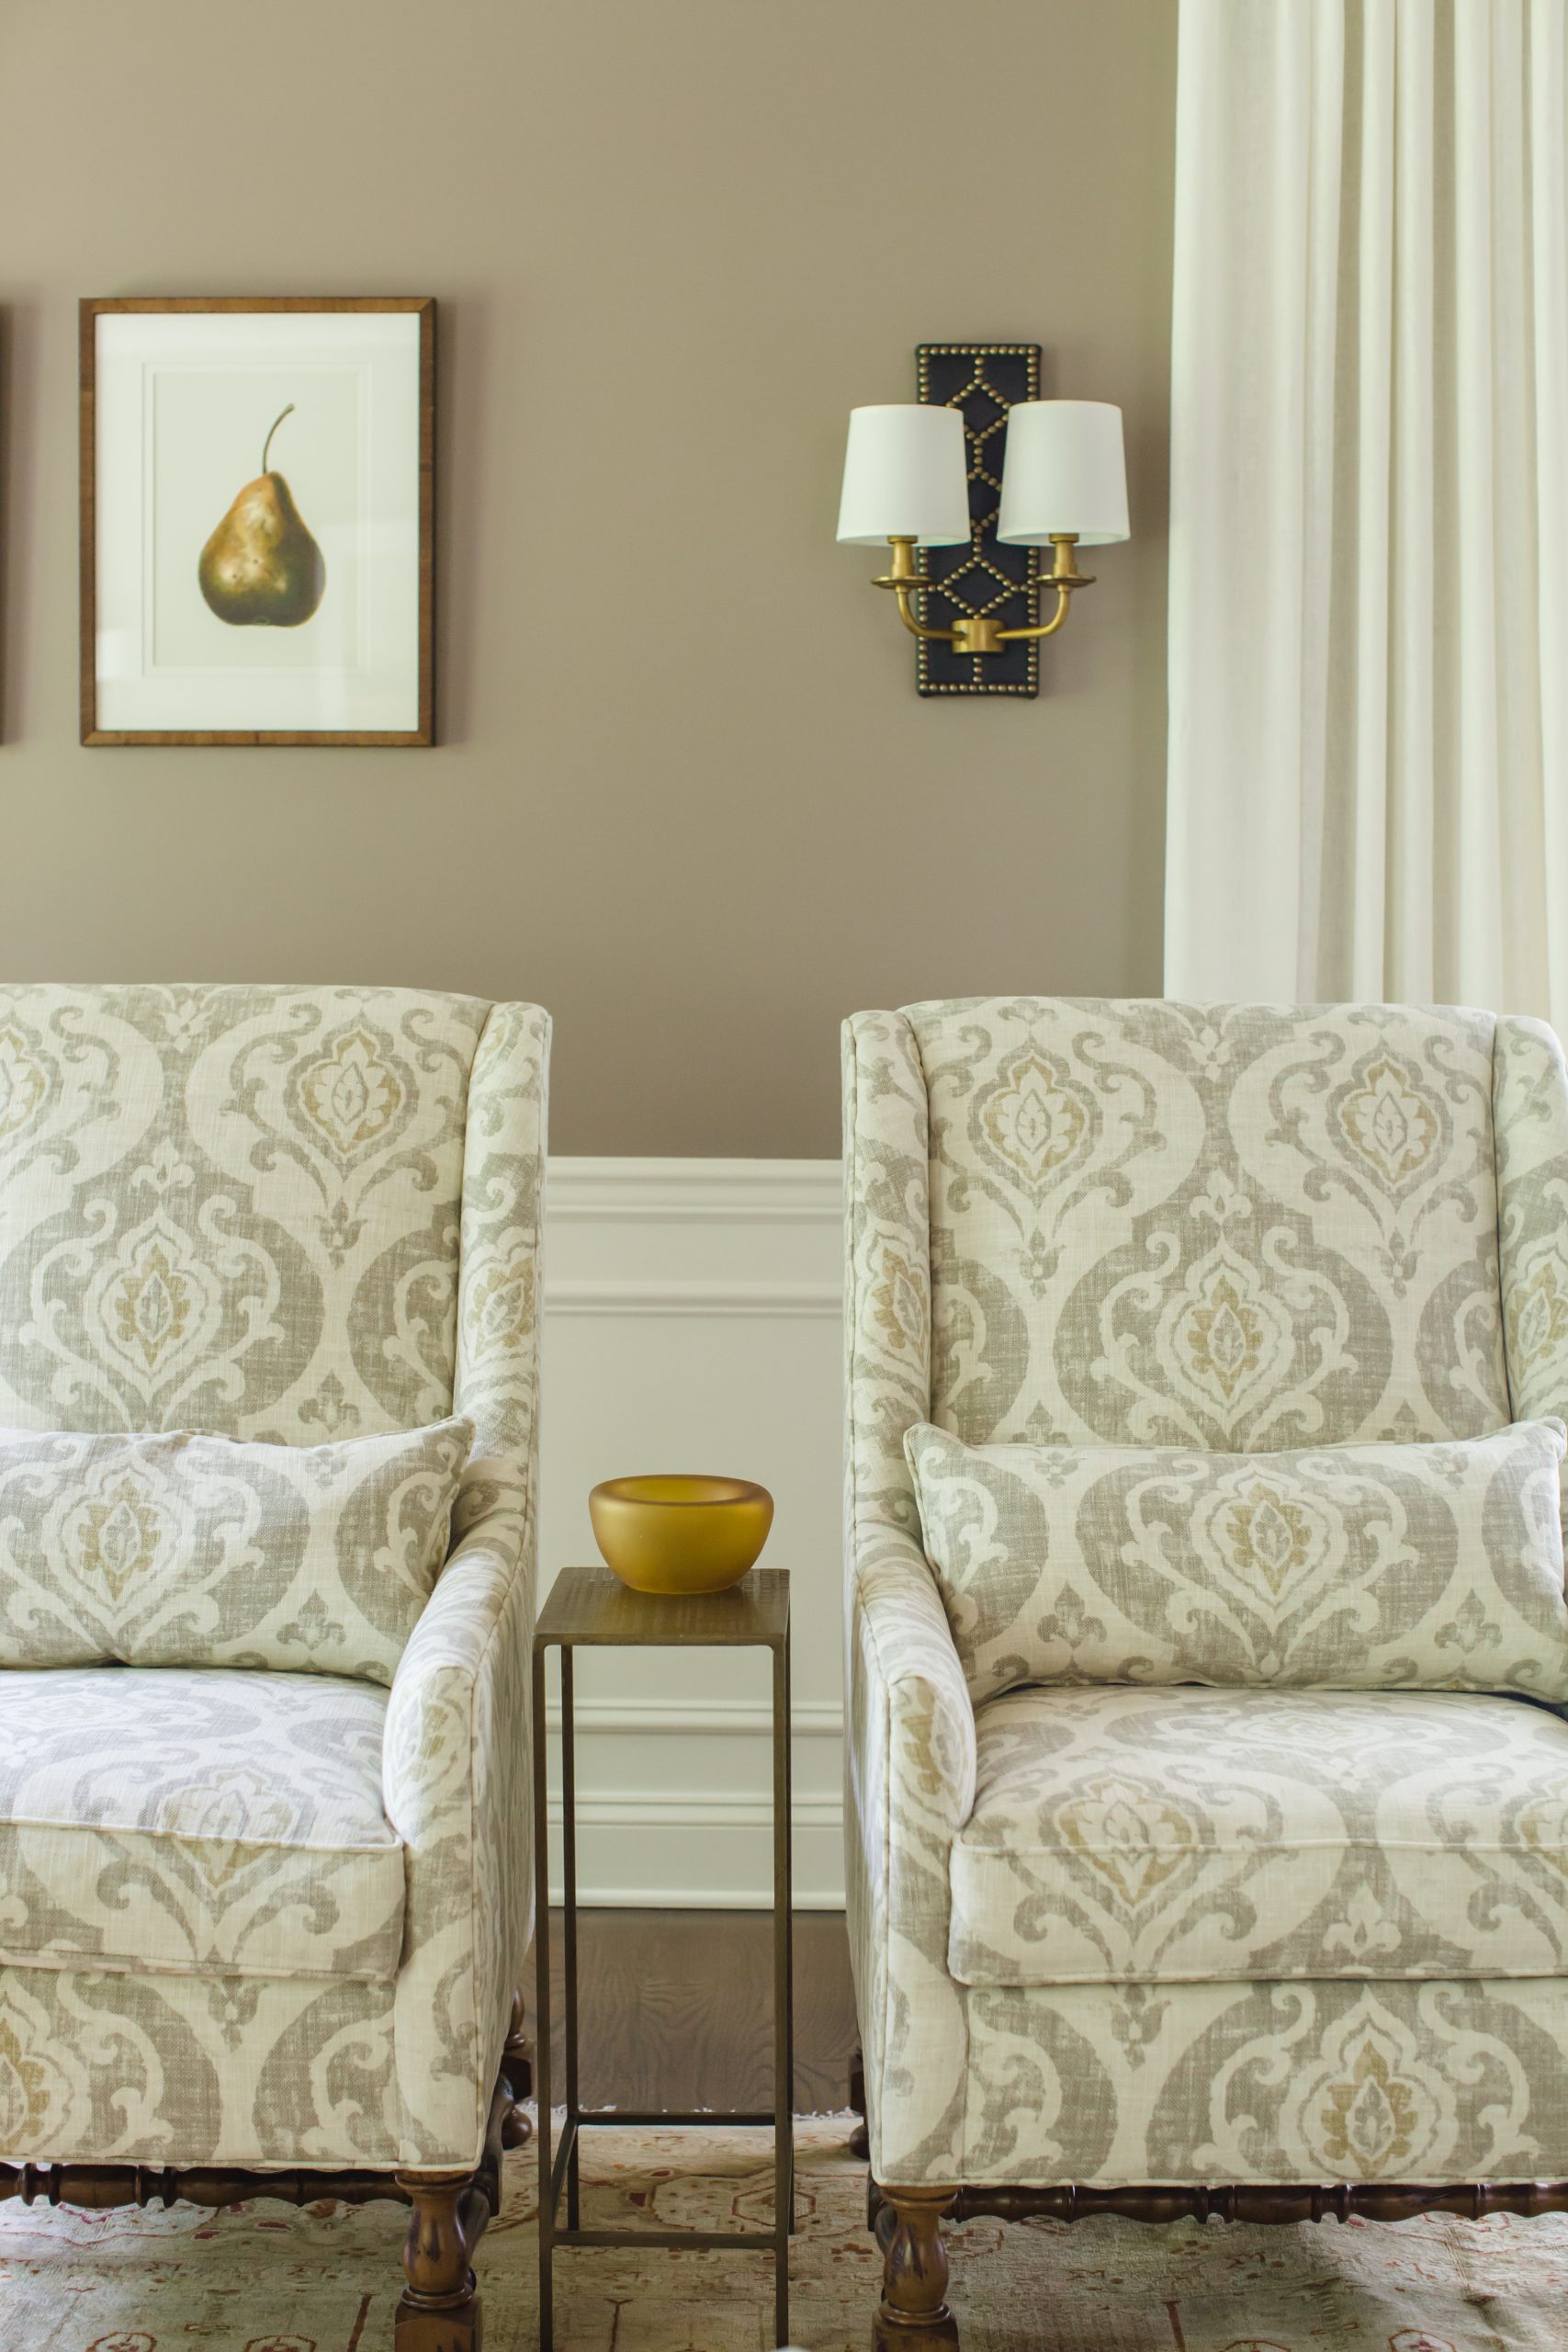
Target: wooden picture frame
[(373, 661)]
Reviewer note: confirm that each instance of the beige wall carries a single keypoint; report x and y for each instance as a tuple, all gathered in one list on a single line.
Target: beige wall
[(686, 794)]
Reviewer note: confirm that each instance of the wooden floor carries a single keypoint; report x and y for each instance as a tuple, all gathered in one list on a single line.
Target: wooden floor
[(675, 2008)]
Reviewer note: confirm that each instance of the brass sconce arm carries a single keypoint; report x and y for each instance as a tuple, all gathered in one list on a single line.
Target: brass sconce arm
[(906, 581), (977, 632), (1064, 577)]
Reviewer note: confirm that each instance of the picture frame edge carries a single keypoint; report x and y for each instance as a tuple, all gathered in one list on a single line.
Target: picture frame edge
[(89, 309)]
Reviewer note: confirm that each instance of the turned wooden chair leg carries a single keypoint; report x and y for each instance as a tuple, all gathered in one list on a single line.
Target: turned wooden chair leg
[(913, 2316), (439, 2310), (517, 2065)]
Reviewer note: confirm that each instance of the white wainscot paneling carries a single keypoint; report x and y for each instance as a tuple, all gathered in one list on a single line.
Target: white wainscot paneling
[(691, 1322)]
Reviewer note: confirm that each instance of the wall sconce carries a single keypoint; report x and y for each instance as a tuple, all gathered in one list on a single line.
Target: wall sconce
[(908, 474)]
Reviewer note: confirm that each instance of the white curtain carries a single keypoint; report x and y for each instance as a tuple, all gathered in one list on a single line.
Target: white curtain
[(1367, 792)]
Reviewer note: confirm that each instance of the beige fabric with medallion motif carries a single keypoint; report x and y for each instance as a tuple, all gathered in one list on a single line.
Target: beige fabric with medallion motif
[(1235, 1228), (1351, 1568), (1183, 1836), (184, 1550), (284, 1215), (1241, 1226), (196, 1823)]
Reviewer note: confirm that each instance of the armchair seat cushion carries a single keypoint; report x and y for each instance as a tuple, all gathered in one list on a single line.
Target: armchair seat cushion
[(186, 1821), (1189, 1834)]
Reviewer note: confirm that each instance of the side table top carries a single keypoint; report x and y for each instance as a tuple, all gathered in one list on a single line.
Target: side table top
[(590, 1606)]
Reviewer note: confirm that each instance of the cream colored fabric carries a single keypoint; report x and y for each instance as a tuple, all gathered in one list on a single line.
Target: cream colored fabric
[(1187, 1836), (910, 1754), (457, 1789), (1234, 1226), (1532, 1212), (1360, 1567), (1227, 1228), (231, 1209), (184, 1550), (468, 1670), (222, 1824), (1318, 2082), (138, 2068), (1368, 790), (357, 1232)]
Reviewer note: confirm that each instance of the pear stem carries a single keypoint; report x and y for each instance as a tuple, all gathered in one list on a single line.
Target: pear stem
[(275, 423)]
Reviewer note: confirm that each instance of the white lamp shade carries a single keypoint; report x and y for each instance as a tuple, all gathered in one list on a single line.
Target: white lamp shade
[(1063, 471), (905, 477)]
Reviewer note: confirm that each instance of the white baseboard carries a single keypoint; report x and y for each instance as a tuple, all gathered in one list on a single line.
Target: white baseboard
[(692, 1320)]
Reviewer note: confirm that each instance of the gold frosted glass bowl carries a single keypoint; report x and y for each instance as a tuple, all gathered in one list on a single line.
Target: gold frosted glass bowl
[(675, 1534)]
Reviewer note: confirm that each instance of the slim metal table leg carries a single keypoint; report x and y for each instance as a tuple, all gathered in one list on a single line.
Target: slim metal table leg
[(585, 1606), (542, 2000), (569, 1928), (783, 2000)]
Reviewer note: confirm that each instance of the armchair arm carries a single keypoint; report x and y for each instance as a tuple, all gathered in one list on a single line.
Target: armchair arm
[(910, 1751), (904, 1652), (911, 1787), (456, 1775)]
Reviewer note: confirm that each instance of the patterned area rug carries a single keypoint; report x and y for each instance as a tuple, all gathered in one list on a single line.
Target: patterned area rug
[(262, 2278)]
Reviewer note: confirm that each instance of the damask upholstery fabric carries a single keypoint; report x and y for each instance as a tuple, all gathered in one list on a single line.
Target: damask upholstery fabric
[(1367, 1568), (457, 1790), (1320, 2082), (231, 1209), (184, 1550), (1238, 1227), (909, 1759), (1116, 1251), (458, 1775), (1532, 1202), (288, 1214), (190, 1823), (134, 2068), (1187, 1836)]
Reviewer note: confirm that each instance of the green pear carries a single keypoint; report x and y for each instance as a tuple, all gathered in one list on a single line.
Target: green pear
[(261, 566)]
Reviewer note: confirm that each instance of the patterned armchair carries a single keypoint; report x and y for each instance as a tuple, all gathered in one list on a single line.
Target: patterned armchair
[(263, 1932), (1254, 1953)]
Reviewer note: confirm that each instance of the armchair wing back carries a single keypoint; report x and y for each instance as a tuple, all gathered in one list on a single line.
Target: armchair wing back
[(287, 1215), (240, 1210), (1236, 1228)]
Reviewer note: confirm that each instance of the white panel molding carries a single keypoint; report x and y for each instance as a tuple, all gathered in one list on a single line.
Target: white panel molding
[(696, 1191), (692, 1313), (679, 1809), (706, 1298), (821, 1720), (733, 1895)]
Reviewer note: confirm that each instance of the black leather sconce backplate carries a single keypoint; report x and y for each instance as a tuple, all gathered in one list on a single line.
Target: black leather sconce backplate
[(984, 381)]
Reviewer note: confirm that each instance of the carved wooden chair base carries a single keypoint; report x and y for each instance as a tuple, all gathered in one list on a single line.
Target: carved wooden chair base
[(439, 2310), (913, 2314)]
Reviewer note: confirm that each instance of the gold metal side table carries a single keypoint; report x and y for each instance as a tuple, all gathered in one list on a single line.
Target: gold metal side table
[(591, 1609)]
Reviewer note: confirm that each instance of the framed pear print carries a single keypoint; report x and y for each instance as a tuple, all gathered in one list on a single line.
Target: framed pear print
[(258, 519)]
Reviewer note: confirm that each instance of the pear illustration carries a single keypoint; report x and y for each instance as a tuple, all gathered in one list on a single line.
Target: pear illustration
[(261, 566)]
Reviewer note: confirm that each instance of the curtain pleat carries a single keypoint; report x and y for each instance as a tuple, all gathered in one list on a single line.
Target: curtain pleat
[(1405, 953), (1369, 741), (1549, 306)]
